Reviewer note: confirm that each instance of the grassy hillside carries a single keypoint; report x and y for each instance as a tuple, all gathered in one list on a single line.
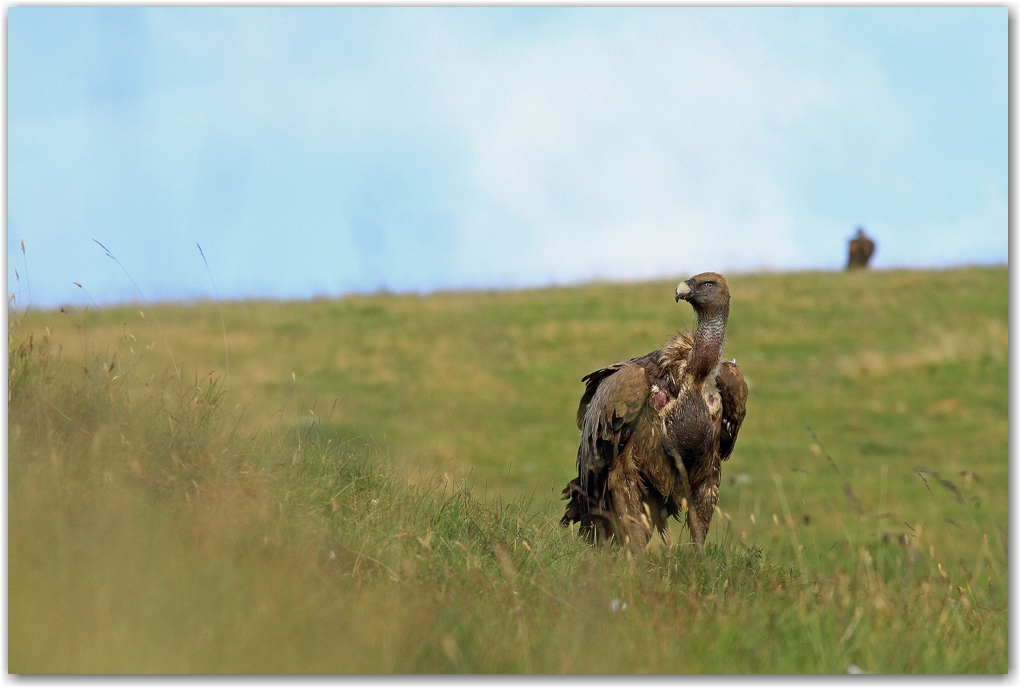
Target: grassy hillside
[(259, 521), (892, 370)]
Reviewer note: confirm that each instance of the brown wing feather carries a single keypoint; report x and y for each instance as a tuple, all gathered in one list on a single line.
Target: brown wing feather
[(591, 384), (733, 390), (608, 419), (651, 363), (609, 413)]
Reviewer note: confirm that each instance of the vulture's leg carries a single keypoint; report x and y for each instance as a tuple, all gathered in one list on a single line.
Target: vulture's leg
[(705, 497), (656, 518), (698, 530), (632, 526)]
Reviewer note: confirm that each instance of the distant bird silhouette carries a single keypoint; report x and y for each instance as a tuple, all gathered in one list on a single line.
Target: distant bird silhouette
[(861, 250), (655, 429)]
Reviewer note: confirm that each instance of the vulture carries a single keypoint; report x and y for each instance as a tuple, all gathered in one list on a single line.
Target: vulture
[(861, 249), (654, 430)]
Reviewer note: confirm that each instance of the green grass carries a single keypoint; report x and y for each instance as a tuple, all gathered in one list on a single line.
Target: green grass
[(362, 515)]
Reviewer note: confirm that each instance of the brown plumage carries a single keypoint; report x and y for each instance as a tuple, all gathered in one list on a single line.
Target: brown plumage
[(861, 250), (655, 429)]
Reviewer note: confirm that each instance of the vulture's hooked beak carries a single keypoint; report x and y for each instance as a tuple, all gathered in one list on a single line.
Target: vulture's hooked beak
[(683, 290)]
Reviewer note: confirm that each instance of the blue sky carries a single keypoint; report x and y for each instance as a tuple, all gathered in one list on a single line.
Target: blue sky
[(318, 151)]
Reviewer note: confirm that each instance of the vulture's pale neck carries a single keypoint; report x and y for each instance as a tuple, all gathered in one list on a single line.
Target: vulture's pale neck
[(708, 342)]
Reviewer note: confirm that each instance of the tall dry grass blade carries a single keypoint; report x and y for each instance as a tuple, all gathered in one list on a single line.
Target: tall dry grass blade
[(851, 498), (921, 473), (818, 442), (226, 348), (789, 522), (146, 301), (848, 491), (28, 282), (96, 305)]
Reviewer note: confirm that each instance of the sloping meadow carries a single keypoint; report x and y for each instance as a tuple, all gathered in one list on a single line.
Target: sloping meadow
[(157, 524)]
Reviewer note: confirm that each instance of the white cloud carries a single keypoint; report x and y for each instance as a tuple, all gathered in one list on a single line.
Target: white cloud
[(600, 142), (660, 146)]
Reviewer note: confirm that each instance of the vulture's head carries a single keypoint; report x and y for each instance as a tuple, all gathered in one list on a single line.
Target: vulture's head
[(707, 292)]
